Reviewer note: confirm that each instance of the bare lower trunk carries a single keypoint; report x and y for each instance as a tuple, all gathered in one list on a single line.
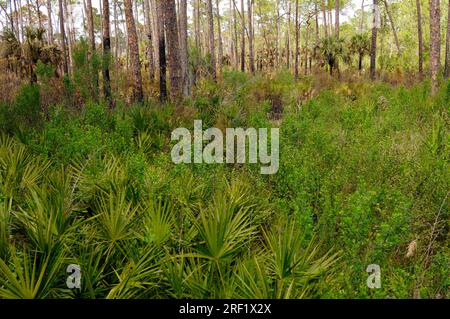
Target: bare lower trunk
[(277, 53), (63, 36), (171, 27), (219, 35), (106, 51), (373, 48), (435, 44), (235, 34), (242, 37), (212, 48), (324, 14), (90, 24), (184, 47), (68, 35), (250, 37), (394, 31), (135, 62), (447, 46), (50, 24), (149, 40), (296, 39), (288, 42), (337, 11), (161, 51), (420, 40)]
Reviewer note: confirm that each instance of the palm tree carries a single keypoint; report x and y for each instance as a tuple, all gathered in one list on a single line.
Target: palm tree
[(332, 49), (26, 56), (360, 44)]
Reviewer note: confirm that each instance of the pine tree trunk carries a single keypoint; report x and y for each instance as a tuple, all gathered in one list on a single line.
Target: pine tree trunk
[(243, 37), (435, 44), (236, 37), (288, 42), (117, 50), (306, 47), (447, 46), (50, 24), (161, 51), (211, 44), (296, 39), (171, 27), (317, 35), (361, 24), (420, 37), (63, 37), (68, 35), (219, 34), (196, 17), (373, 47), (149, 35), (277, 57), (106, 51), (135, 62), (337, 12), (394, 31), (184, 47), (250, 36), (324, 14), (21, 24), (90, 24), (155, 36), (38, 11)]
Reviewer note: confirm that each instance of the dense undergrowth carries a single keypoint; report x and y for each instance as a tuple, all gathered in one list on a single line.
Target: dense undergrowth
[(363, 179)]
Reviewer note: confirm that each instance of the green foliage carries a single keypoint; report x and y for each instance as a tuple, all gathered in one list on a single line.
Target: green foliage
[(363, 173), (87, 66), (332, 49)]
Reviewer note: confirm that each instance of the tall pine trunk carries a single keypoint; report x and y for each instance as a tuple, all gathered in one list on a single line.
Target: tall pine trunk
[(235, 35), (106, 52), (277, 52), (50, 23), (171, 27), (296, 39), (211, 44), (337, 12), (161, 50), (288, 42), (184, 47), (250, 36), (420, 37), (324, 14), (63, 37), (373, 47), (90, 24), (394, 31), (219, 35), (149, 40), (135, 62), (447, 46), (242, 37), (435, 44)]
